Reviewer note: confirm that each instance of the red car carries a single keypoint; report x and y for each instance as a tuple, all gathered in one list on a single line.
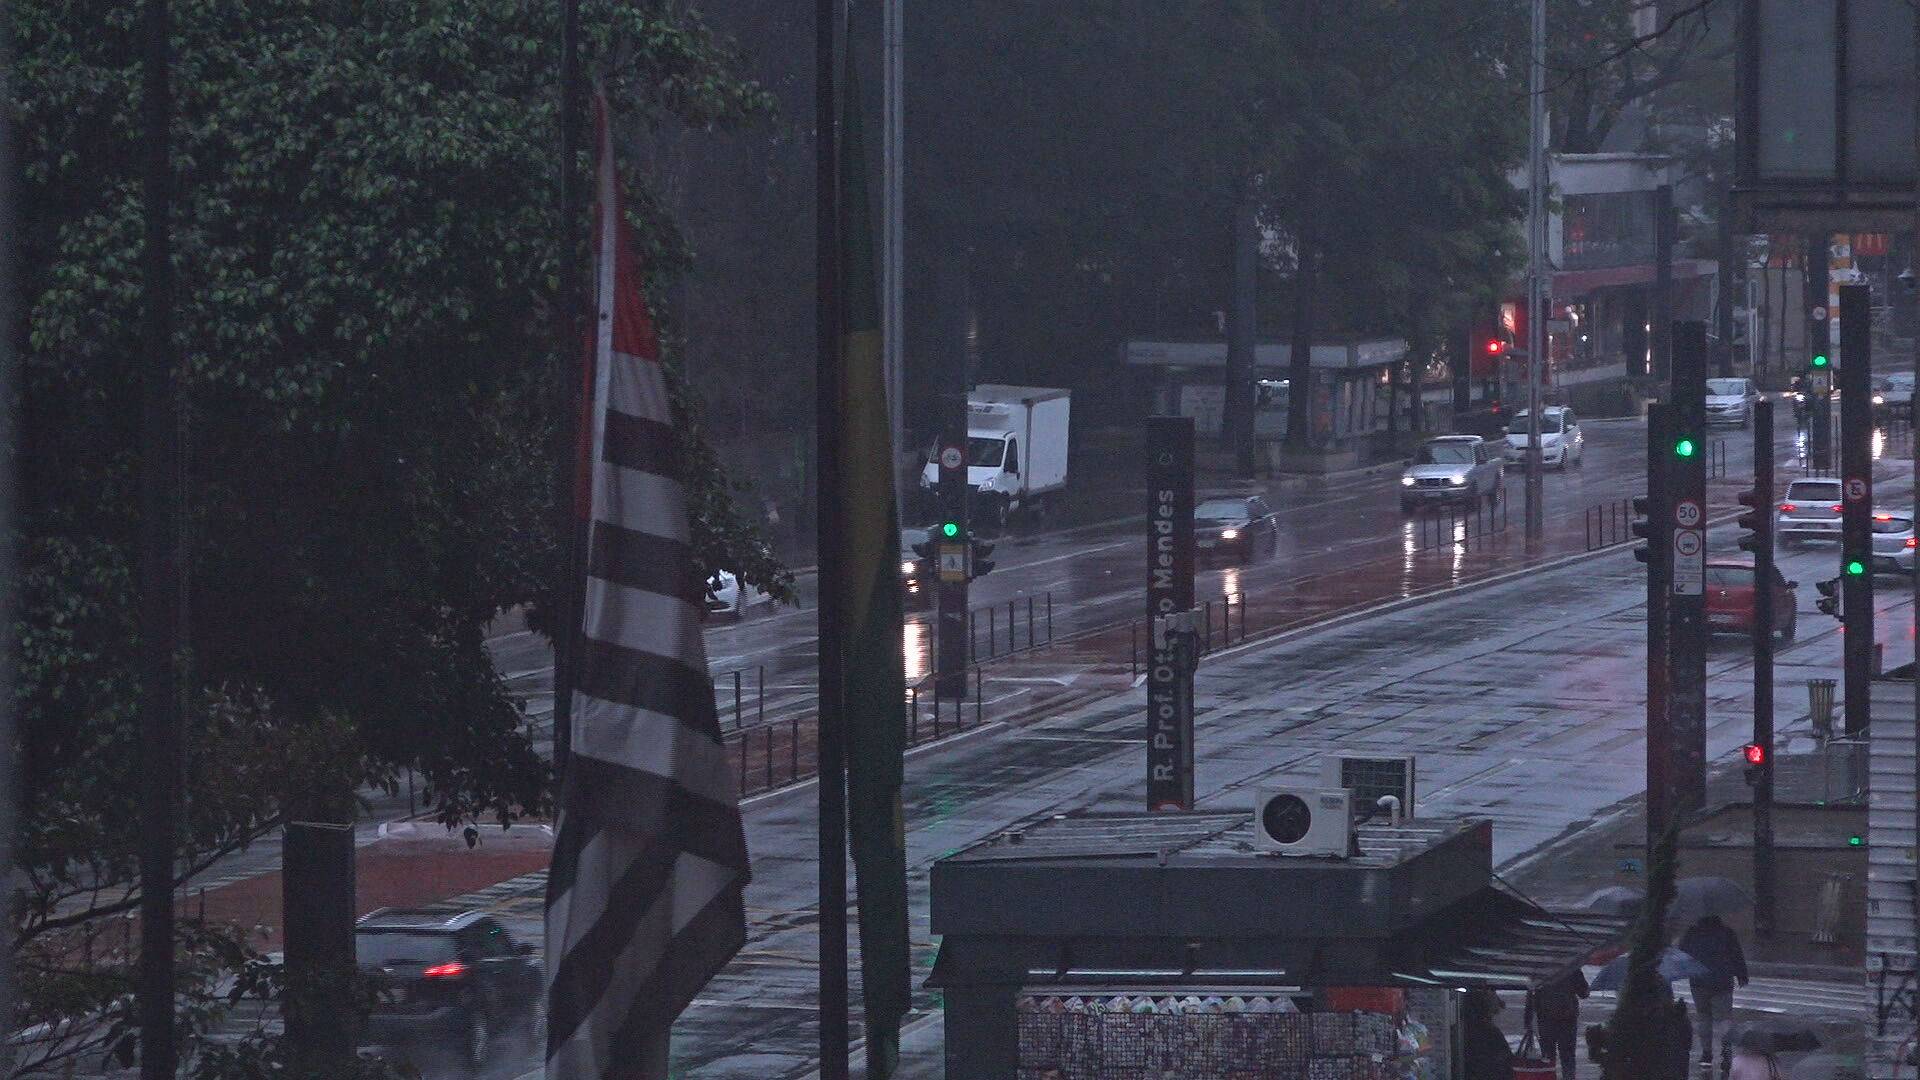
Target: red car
[(1730, 600)]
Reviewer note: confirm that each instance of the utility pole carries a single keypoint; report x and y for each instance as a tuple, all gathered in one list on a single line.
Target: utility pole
[(1759, 539), (953, 544), (1687, 607), (1655, 510), (1660, 313), (1723, 303), (161, 615), (1856, 502), (893, 233), (1820, 393), (1536, 263)]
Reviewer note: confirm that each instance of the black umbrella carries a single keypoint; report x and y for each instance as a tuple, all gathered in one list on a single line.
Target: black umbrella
[(1777, 1035), (1695, 897)]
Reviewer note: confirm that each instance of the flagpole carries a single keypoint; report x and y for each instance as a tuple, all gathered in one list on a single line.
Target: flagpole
[(828, 17), (568, 388)]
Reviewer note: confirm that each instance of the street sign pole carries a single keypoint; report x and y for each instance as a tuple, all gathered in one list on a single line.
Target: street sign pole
[(1856, 502), (1687, 607), (1764, 619), (1819, 395), (1170, 651), (952, 646), (1660, 428)]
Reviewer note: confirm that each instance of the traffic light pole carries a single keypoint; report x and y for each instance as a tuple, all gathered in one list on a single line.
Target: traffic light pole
[(952, 644), (1687, 606), (1764, 618), (1659, 538), (1819, 394), (1856, 503)]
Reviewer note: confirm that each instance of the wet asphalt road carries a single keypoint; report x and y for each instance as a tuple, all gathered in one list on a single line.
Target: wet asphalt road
[(1522, 699)]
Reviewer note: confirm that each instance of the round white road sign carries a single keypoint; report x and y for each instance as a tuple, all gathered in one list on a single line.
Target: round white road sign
[(1686, 513), (950, 457)]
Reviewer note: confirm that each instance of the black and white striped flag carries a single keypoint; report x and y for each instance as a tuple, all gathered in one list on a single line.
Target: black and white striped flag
[(644, 895)]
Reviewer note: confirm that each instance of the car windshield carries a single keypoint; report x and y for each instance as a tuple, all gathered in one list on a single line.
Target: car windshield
[(1900, 380), (376, 949), (1730, 575), (1726, 387), (985, 453), (1891, 525), (1445, 453), (1816, 491), (1549, 424), (1221, 510)]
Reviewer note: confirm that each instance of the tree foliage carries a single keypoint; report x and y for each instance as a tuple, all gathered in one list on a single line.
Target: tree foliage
[(367, 245), (1089, 156)]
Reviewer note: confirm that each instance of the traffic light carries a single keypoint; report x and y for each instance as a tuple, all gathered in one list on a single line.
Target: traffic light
[(1642, 526), (1493, 347), (950, 530), (1758, 520), (979, 564), (925, 548), (1829, 602), (1855, 568), (1819, 360), (1684, 447), (1756, 758)]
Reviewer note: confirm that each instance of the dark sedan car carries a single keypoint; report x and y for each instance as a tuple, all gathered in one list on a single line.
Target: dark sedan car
[(448, 979), (1237, 526)]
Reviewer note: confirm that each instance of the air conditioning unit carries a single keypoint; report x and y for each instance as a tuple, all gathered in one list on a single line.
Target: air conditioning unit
[(1369, 778), (1303, 821)]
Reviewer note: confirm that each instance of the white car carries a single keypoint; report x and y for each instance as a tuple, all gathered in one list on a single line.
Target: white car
[(1810, 510), (1561, 442), (1893, 542), (1893, 396), (1731, 401), (726, 596)]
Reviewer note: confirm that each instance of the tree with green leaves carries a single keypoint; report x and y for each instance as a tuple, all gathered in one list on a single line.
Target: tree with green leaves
[(366, 243)]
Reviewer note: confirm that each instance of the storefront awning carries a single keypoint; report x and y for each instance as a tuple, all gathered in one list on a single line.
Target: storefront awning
[(1572, 284), (1500, 941)]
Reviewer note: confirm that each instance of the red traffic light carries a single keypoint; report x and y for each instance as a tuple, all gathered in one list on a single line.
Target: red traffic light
[(1495, 347), (1754, 753)]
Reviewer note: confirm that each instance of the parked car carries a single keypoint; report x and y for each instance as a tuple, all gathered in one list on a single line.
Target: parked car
[(1730, 597), (1893, 396), (1810, 510), (726, 596), (449, 980), (1731, 401), (1893, 542), (1452, 469), (1242, 526), (1561, 441)]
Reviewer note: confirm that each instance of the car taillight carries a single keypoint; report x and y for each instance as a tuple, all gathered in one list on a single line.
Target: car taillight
[(1835, 508), (1883, 517), (1788, 508), (1911, 542), (455, 970)]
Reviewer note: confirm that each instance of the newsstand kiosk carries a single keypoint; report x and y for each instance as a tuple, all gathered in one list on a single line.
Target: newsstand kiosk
[(1143, 946)]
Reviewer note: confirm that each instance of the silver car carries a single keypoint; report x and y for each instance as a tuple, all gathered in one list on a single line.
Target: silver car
[(1893, 542), (1463, 469), (1561, 441)]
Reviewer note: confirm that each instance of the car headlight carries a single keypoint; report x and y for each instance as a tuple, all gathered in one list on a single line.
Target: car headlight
[(1229, 534), (1878, 400), (1457, 480), (1406, 481), (907, 567)]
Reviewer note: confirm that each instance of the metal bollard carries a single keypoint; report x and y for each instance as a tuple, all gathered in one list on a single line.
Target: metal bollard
[(1820, 706)]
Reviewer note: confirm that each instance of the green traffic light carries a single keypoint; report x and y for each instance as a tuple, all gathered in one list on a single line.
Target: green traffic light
[(950, 529), (1683, 448), (1819, 361), (1855, 566)]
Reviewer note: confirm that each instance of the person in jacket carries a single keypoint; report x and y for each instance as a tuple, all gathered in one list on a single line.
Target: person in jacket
[(1489, 1056), (1556, 1010), (1717, 948)]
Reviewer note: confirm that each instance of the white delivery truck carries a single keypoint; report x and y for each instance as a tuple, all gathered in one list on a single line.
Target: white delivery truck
[(1016, 449)]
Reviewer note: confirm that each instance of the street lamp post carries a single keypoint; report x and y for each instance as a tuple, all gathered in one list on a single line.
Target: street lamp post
[(1536, 259)]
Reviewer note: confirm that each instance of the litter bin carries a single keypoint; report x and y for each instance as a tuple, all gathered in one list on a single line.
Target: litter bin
[(1820, 706)]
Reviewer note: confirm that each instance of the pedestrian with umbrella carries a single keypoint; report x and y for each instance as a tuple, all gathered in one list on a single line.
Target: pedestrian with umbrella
[(1717, 948), (1753, 1057)]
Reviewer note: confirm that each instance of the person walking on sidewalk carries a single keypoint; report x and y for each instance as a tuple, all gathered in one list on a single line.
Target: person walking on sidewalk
[(1717, 948), (1556, 1010)]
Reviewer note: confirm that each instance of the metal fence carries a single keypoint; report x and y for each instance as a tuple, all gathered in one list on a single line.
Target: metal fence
[(1453, 526), (1716, 459), (1033, 613), (1609, 523)]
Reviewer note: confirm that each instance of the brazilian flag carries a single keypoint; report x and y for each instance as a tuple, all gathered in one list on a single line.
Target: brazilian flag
[(875, 679)]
